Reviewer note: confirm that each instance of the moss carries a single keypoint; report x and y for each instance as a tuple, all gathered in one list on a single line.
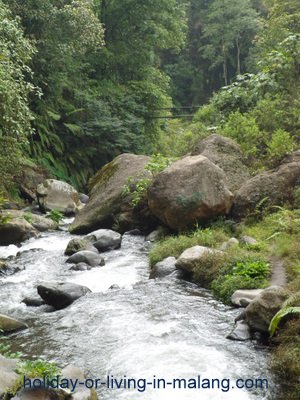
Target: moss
[(103, 175)]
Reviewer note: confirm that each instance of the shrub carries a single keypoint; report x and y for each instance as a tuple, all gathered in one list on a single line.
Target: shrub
[(248, 272), (281, 144), (207, 269)]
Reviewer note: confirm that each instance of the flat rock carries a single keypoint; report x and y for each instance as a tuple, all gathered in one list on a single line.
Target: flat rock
[(60, 294), (243, 297), (87, 257), (8, 324)]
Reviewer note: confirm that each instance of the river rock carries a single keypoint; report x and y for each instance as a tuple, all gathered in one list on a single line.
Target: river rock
[(232, 242), (8, 324), (33, 301), (105, 239), (190, 190), (189, 258), (243, 297), (248, 240), (8, 376), (163, 268), (81, 267), (241, 332), (81, 393), (57, 195), (41, 223), (43, 394), (16, 230), (107, 201), (262, 309), (274, 187), (226, 154), (83, 198), (61, 294), (157, 234), (88, 257), (114, 287), (79, 244)]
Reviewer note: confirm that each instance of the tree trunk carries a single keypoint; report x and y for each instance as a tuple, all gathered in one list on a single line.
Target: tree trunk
[(238, 63), (225, 65)]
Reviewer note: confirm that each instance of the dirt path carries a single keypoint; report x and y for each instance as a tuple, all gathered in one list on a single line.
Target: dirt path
[(278, 275)]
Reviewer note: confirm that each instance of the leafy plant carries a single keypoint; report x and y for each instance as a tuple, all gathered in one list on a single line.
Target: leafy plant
[(55, 215), (137, 187), (28, 217), (284, 313)]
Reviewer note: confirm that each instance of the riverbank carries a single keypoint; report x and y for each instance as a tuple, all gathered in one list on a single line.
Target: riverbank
[(273, 239)]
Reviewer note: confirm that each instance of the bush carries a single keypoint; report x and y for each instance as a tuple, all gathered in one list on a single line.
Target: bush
[(55, 215), (281, 144), (208, 268), (248, 272)]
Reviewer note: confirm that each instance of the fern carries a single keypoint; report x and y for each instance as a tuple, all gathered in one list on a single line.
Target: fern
[(284, 312)]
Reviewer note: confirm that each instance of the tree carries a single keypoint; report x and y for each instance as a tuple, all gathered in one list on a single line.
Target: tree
[(15, 115), (230, 28)]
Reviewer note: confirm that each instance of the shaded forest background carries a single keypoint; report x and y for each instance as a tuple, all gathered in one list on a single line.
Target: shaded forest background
[(82, 81)]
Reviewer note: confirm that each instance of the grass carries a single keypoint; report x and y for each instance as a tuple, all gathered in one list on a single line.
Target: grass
[(175, 245)]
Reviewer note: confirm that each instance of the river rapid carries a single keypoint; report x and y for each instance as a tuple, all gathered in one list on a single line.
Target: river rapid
[(167, 328)]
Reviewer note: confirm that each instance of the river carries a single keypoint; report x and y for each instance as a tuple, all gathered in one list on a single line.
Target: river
[(167, 328)]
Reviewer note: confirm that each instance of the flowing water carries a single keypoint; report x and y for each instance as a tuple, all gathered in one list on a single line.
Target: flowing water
[(167, 328)]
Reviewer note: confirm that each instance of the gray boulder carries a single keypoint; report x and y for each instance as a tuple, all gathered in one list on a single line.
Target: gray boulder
[(8, 376), (190, 257), (61, 295), (226, 154), (84, 198), (248, 240), (57, 195), (8, 324), (16, 230), (274, 187), (105, 239), (243, 297), (107, 202), (262, 309), (88, 257), (157, 234), (241, 332), (190, 190), (79, 244), (163, 268)]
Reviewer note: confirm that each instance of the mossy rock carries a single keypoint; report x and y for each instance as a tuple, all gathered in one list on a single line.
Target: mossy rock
[(107, 200)]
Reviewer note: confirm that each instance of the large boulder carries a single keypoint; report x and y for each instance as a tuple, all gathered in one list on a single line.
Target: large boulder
[(274, 187), (190, 190), (31, 177), (79, 244), (261, 310), (16, 230), (227, 155), (105, 239), (57, 195), (107, 205), (85, 256), (190, 257), (61, 294), (8, 376), (8, 324)]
